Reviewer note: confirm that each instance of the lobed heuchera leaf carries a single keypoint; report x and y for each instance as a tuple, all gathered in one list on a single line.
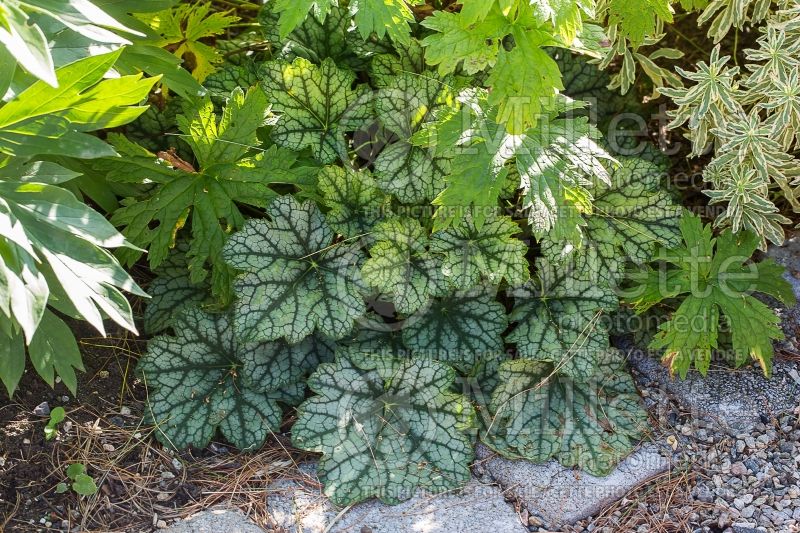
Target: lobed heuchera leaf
[(172, 291), (316, 106), (296, 279), (489, 252), (461, 330), (538, 414), (385, 427), (402, 267), (404, 105), (629, 219), (278, 363), (195, 386), (712, 277), (355, 202), (559, 320)]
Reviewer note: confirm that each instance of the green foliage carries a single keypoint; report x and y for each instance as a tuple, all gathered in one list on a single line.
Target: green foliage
[(182, 27), (57, 416), (388, 268), (315, 105), (627, 221), (559, 321), (82, 483), (533, 404), (385, 427), (53, 248), (389, 197), (196, 386), (750, 116), (711, 278), (231, 172), (21, 33), (297, 279)]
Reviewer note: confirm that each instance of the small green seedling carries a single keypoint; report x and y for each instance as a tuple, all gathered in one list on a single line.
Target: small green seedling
[(57, 416), (82, 483)]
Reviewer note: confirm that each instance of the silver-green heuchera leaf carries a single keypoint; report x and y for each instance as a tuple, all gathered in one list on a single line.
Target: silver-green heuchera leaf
[(316, 106), (195, 386), (460, 329), (278, 363), (628, 220), (489, 252), (538, 414), (560, 320), (401, 266), (297, 280), (172, 291), (355, 202), (385, 427)]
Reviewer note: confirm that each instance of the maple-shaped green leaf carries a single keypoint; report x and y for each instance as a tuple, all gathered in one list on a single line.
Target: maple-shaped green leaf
[(558, 161), (383, 17), (459, 41), (401, 267), (565, 16), (404, 106), (538, 414), (460, 329), (522, 78), (628, 220), (316, 106), (172, 291), (205, 199), (294, 12), (385, 427), (479, 170), (355, 202), (195, 386), (560, 320), (489, 252), (638, 20), (182, 27), (297, 280), (713, 277)]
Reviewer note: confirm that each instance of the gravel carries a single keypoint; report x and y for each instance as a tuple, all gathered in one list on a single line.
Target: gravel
[(744, 482)]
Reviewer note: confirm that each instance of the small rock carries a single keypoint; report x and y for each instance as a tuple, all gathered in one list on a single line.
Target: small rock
[(163, 496), (738, 469), (161, 524), (748, 511), (167, 475), (108, 447), (43, 409), (125, 411), (752, 465), (177, 464), (534, 521), (366, 529)]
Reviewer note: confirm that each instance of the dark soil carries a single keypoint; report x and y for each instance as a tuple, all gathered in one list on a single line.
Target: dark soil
[(29, 464)]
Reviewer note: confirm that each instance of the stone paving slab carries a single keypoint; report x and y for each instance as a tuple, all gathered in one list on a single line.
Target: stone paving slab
[(298, 507), (726, 399), (561, 496), (218, 520)]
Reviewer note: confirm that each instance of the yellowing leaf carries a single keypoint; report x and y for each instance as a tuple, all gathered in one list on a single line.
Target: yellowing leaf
[(181, 30)]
